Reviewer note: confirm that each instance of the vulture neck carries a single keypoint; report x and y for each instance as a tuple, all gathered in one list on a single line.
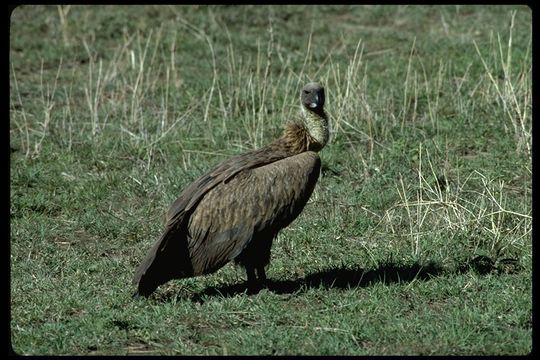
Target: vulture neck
[(309, 135), (316, 123)]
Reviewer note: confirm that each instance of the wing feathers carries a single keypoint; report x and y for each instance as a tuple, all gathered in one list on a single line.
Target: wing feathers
[(264, 199), (246, 197)]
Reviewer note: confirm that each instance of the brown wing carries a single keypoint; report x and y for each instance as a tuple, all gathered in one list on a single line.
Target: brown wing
[(169, 258), (254, 187), (222, 173), (262, 201)]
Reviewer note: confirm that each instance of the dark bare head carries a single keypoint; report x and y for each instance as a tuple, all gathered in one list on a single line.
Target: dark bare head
[(313, 96)]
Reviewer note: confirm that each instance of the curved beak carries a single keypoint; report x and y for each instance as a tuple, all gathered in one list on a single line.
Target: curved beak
[(315, 103)]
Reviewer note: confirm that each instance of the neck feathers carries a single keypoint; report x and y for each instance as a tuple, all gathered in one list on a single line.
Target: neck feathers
[(309, 135), (297, 138), (316, 124)]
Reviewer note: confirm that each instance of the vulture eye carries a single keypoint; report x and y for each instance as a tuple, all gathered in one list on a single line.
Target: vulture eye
[(306, 92)]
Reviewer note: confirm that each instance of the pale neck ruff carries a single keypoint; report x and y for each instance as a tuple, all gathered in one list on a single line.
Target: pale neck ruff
[(317, 125)]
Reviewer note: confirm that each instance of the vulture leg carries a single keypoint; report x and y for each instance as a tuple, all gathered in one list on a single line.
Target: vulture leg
[(253, 284), (261, 275)]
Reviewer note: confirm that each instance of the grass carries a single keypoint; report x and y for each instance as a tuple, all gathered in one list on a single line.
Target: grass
[(417, 239)]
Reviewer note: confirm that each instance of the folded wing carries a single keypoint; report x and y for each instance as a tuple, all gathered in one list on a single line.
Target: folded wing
[(221, 213)]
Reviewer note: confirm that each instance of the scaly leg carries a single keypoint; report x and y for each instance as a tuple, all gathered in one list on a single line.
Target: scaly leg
[(253, 284), (262, 276)]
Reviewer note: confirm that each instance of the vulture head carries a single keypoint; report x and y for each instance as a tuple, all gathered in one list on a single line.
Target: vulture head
[(312, 97)]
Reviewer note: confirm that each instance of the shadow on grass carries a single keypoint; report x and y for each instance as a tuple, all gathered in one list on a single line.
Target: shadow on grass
[(336, 278)]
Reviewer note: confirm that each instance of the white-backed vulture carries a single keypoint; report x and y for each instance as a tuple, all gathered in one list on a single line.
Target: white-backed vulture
[(235, 211)]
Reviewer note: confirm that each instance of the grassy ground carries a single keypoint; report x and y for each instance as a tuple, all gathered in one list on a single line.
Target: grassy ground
[(417, 239)]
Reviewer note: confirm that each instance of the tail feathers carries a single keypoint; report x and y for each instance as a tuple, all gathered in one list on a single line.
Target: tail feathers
[(168, 259)]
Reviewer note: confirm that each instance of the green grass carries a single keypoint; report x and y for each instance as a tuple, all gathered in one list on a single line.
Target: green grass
[(417, 239)]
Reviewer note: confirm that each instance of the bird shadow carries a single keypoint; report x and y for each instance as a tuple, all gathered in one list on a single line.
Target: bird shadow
[(333, 278)]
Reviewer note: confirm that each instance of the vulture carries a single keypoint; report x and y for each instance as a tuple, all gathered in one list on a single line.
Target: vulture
[(235, 211)]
